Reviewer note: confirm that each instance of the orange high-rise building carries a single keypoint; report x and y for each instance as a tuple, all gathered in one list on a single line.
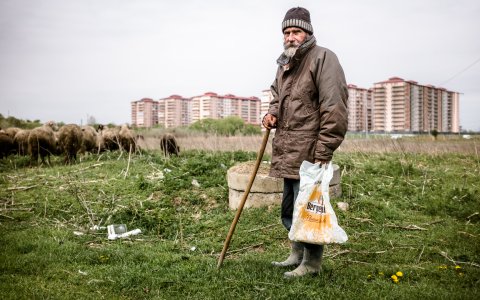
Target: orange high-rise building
[(406, 106)]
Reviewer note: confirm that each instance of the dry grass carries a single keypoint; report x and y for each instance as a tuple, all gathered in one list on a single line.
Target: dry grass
[(372, 144), (211, 143), (410, 145)]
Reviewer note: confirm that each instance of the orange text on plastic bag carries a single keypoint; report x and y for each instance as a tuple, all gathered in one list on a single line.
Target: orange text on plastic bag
[(313, 221)]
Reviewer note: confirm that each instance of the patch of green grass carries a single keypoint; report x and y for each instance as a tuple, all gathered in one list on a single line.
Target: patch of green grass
[(413, 213)]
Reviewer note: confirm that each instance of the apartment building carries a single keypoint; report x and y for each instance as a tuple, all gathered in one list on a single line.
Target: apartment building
[(359, 108), (174, 111), (265, 100), (214, 106), (394, 105), (144, 112), (406, 106)]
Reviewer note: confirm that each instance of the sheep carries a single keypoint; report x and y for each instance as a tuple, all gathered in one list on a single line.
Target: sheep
[(169, 145), (21, 141), (127, 139), (109, 137), (41, 142), (6, 145), (70, 141), (11, 131), (91, 141)]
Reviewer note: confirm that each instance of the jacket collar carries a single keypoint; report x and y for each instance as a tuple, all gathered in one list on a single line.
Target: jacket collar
[(304, 47)]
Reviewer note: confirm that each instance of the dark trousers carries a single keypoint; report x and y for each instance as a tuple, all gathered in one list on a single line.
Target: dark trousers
[(290, 193)]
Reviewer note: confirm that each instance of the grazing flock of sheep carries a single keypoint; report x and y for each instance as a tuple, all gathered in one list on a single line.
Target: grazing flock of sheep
[(71, 139)]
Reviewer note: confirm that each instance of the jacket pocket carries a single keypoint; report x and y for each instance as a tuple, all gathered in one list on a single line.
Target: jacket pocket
[(300, 147)]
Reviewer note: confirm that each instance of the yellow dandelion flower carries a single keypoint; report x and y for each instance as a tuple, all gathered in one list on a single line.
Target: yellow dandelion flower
[(442, 267), (457, 267), (399, 274), (394, 278)]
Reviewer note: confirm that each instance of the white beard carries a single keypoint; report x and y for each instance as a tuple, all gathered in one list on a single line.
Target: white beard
[(290, 51)]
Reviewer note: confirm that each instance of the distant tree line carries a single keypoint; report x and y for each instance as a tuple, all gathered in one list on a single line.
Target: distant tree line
[(27, 124), (14, 122), (228, 126)]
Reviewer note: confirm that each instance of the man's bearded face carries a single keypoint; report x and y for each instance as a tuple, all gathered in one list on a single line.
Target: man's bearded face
[(293, 37)]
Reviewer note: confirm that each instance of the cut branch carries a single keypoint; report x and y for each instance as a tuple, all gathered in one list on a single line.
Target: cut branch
[(333, 255), (89, 167), (6, 216), (21, 188), (444, 254), (128, 164), (472, 215), (420, 256), (434, 222), (359, 262), (408, 227), (467, 234)]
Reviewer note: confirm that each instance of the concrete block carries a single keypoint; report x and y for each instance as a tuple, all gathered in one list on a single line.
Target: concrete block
[(239, 175), (255, 199), (265, 190)]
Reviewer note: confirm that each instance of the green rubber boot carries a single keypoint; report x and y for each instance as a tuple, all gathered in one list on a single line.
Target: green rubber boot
[(311, 263), (294, 258)]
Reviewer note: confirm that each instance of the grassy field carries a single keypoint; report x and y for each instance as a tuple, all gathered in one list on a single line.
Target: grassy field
[(412, 212)]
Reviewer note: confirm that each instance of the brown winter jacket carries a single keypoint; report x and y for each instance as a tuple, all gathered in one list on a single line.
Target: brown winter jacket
[(310, 103)]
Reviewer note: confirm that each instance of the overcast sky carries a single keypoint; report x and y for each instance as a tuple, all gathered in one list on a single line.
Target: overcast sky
[(65, 60)]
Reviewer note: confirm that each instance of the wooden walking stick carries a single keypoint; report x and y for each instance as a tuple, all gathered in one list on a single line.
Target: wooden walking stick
[(244, 199)]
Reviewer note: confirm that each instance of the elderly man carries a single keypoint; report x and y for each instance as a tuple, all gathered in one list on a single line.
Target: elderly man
[(309, 112)]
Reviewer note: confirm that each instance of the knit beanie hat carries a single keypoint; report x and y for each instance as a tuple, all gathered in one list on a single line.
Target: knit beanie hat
[(298, 17)]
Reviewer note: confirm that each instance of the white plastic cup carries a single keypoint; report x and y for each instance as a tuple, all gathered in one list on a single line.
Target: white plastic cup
[(116, 229)]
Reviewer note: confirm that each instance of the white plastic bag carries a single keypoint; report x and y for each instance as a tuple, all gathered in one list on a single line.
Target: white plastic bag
[(314, 220)]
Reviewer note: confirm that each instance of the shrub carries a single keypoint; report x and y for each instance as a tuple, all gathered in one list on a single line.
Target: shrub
[(228, 126)]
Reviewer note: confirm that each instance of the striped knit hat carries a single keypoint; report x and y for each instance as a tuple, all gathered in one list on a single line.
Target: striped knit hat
[(298, 17)]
